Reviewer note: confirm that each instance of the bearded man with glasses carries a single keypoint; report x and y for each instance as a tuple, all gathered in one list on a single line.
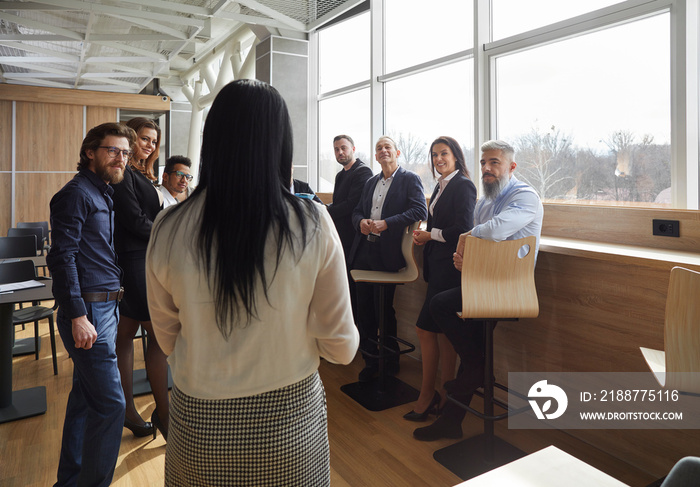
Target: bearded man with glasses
[(86, 286), (176, 179)]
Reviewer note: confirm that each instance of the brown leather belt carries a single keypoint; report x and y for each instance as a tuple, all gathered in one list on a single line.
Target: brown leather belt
[(103, 297)]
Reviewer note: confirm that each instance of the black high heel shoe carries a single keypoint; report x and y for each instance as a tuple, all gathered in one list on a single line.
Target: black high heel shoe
[(140, 430), (157, 424), (431, 409)]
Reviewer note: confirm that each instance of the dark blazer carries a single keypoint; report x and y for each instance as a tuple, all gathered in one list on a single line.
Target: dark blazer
[(304, 188), (454, 215), (404, 204), (136, 204), (346, 194)]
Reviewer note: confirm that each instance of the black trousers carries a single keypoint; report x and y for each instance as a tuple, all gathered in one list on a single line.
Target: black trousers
[(368, 302), (467, 337)]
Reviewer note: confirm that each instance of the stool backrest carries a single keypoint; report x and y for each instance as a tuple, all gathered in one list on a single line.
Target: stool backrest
[(408, 274), (23, 246), (496, 282), (682, 331)]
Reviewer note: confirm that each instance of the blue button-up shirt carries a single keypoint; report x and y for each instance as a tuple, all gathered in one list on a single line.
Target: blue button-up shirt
[(515, 213), (82, 257)]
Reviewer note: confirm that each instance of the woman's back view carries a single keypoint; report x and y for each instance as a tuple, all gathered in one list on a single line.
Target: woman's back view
[(247, 288)]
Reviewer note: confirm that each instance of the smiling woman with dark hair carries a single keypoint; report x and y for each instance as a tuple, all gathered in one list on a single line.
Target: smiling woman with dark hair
[(247, 289)]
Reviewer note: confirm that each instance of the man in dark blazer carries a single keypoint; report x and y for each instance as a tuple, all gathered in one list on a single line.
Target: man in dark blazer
[(347, 189), (390, 201)]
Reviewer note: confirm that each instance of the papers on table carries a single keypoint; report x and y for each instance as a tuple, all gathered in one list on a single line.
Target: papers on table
[(19, 286)]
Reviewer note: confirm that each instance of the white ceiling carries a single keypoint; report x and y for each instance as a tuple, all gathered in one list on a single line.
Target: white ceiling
[(123, 46)]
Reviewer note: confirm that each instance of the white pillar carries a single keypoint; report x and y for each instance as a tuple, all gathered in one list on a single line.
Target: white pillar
[(195, 141)]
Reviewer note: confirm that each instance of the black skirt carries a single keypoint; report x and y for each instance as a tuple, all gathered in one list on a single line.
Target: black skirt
[(134, 304)]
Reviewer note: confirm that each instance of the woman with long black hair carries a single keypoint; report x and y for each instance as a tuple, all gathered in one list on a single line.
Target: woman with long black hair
[(247, 288)]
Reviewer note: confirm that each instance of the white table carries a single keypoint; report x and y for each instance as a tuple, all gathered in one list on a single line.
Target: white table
[(549, 467)]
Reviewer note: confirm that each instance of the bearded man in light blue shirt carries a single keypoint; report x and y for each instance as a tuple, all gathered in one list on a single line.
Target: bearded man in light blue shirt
[(508, 210)]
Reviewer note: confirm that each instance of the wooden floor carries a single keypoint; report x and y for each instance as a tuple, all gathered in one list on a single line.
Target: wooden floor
[(367, 448)]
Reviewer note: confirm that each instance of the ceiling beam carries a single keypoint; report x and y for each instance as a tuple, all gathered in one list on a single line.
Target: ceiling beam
[(122, 11), (274, 14), (42, 26), (40, 50), (172, 6), (156, 56)]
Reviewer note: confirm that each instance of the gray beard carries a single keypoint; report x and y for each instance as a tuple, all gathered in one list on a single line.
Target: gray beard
[(492, 190)]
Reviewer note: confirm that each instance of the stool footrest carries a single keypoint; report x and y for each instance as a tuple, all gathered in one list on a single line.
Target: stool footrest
[(411, 348), (496, 417)]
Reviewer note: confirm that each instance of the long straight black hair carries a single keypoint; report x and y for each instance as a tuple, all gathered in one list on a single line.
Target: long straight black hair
[(246, 166)]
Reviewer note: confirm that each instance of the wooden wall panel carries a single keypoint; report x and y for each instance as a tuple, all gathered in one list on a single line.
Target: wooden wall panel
[(34, 192), (84, 97), (5, 199), (48, 136), (594, 316), (96, 115), (632, 226), (5, 135)]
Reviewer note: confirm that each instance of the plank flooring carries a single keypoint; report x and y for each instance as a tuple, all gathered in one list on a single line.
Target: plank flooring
[(367, 448)]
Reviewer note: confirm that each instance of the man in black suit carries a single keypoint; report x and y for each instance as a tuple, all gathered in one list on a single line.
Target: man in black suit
[(347, 189), (390, 201), (346, 194)]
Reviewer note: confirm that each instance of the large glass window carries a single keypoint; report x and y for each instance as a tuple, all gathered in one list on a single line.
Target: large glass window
[(424, 106), (417, 31), (346, 114), (344, 53), (590, 116), (511, 17)]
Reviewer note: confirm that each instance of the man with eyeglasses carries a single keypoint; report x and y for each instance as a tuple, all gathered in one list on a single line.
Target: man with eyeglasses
[(176, 178), (86, 286)]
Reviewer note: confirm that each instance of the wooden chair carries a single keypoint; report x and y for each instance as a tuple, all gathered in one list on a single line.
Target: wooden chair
[(678, 365), (498, 284), (24, 271), (386, 392)]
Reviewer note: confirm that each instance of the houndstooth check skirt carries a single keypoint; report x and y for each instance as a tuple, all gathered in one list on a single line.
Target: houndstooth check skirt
[(278, 438)]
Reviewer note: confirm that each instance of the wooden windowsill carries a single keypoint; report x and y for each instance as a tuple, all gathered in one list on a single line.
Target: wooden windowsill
[(624, 254)]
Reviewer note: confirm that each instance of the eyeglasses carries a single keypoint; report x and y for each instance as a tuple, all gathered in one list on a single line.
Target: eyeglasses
[(115, 151), (181, 175)]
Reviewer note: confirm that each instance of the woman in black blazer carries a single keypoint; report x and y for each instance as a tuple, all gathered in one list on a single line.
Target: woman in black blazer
[(136, 204), (451, 213)]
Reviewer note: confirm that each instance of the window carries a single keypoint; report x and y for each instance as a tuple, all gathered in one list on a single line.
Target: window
[(511, 17), (346, 114), (424, 106), (343, 54), (590, 116), (417, 31)]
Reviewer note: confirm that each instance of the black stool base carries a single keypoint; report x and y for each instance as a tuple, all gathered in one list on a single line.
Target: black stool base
[(373, 397), (466, 458), (141, 384)]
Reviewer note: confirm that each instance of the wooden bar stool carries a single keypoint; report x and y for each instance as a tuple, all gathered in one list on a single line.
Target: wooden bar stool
[(386, 392), (677, 367), (498, 284)]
